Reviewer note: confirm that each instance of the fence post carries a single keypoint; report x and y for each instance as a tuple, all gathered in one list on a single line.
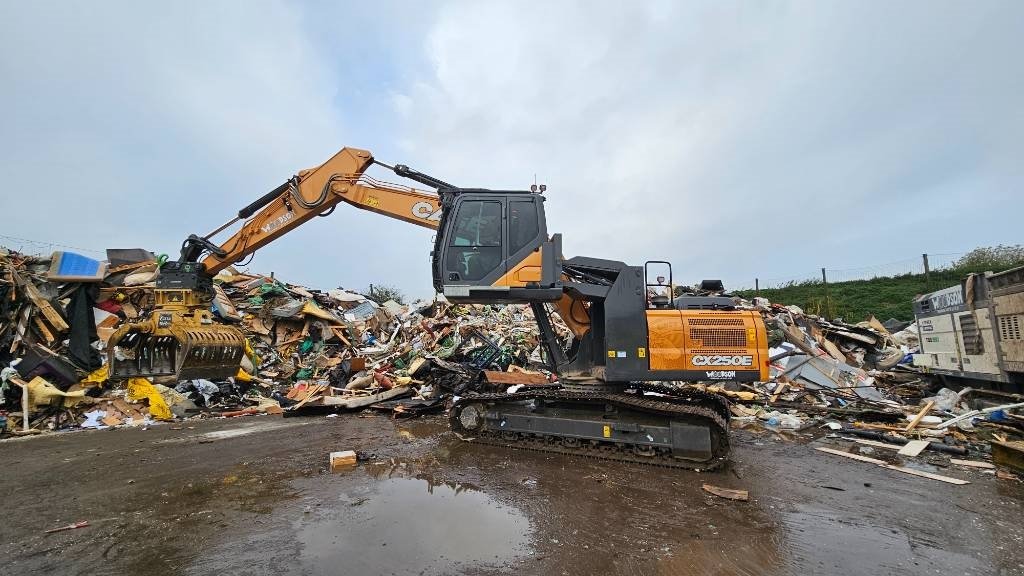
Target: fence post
[(757, 287), (927, 270), (828, 301)]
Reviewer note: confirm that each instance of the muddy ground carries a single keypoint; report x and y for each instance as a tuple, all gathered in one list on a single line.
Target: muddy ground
[(253, 496)]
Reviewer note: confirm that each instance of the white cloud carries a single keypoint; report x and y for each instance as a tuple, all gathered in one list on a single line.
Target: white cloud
[(142, 125), (737, 139)]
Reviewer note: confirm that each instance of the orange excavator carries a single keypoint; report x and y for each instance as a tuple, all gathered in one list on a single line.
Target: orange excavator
[(618, 395)]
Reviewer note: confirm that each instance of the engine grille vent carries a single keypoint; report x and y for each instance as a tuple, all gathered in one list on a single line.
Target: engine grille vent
[(719, 337), (973, 344), (1009, 328), (715, 321)]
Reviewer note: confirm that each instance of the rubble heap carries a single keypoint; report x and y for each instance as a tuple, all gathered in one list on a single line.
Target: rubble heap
[(314, 351), (308, 350)]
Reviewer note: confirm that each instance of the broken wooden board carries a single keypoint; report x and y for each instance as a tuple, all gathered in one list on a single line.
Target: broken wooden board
[(972, 463), (913, 448), (360, 401), (883, 464), (924, 474), (1009, 454), (111, 420), (1000, 473), (796, 337), (852, 456), (310, 393), (43, 330), (877, 444), (782, 387), (727, 493), (510, 378), (877, 326), (917, 419), (37, 298)]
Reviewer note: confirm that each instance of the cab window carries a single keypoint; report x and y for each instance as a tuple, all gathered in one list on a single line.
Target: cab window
[(522, 225), (475, 246)]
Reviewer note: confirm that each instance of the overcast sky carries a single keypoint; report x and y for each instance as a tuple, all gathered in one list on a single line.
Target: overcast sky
[(738, 140)]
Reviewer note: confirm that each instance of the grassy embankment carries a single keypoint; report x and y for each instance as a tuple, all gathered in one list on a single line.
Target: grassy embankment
[(855, 300)]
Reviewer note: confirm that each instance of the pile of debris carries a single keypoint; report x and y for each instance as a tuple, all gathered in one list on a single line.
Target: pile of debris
[(308, 350), (857, 381), (314, 351)]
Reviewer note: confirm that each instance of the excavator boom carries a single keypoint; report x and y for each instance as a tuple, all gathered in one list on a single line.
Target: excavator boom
[(180, 338), (316, 192)]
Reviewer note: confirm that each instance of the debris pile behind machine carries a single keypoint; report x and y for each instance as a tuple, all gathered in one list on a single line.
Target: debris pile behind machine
[(306, 351), (311, 351)]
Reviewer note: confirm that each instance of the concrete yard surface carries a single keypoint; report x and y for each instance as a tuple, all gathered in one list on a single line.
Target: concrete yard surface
[(255, 495)]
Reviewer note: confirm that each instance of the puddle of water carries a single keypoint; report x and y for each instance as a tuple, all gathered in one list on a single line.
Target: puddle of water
[(412, 526), (858, 547), (417, 429)]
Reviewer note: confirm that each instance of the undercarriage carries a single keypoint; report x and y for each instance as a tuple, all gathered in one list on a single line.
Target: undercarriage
[(642, 422)]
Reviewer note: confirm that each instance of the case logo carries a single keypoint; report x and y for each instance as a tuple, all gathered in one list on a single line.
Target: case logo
[(426, 211)]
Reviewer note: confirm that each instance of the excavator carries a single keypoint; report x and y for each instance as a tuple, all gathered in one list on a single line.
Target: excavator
[(619, 394)]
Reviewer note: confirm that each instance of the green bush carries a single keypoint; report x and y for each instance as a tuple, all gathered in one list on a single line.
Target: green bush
[(381, 293)]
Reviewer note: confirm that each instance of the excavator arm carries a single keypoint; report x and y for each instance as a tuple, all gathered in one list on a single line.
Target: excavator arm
[(180, 338), (316, 192)]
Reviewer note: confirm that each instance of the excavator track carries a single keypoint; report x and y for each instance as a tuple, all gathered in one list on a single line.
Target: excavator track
[(691, 408)]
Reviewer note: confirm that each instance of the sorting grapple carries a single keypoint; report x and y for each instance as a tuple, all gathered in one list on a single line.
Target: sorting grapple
[(180, 338)]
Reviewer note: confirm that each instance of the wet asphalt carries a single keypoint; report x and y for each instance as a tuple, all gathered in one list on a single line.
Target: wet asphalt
[(253, 495)]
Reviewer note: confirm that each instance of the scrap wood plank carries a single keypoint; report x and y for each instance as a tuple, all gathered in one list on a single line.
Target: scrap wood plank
[(37, 298), (727, 493), (832, 349), (534, 378), (339, 331), (972, 463), (853, 456), (360, 401), (43, 330), (924, 411), (797, 338), (903, 469), (924, 474), (913, 448), (877, 444), (1009, 454), (21, 328), (778, 392), (310, 393)]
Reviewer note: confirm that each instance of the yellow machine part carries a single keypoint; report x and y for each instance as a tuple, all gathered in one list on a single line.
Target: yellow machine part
[(180, 338)]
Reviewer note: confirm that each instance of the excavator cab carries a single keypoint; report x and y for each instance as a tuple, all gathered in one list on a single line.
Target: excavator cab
[(492, 246)]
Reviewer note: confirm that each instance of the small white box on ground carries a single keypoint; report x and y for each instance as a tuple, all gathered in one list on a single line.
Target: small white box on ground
[(342, 460)]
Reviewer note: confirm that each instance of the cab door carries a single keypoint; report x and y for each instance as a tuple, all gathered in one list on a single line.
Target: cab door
[(473, 250), (493, 247)]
